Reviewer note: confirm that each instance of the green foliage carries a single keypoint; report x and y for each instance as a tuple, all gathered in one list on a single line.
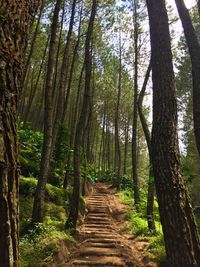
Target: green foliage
[(190, 157), (138, 225), (40, 242), (27, 187), (110, 177), (29, 149), (60, 154)]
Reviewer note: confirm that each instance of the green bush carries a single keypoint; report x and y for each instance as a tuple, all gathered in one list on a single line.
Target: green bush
[(27, 187), (61, 151), (40, 244), (29, 149), (138, 224)]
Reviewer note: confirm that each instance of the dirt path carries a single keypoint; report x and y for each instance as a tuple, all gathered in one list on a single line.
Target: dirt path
[(102, 245)]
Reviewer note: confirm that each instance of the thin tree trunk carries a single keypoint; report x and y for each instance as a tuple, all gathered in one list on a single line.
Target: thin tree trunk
[(117, 140), (74, 208), (194, 50), (101, 143), (38, 206), (151, 186), (136, 187), (37, 121), (32, 95), (180, 232), (32, 44), (14, 28), (63, 74), (57, 70), (74, 125), (126, 133), (71, 74)]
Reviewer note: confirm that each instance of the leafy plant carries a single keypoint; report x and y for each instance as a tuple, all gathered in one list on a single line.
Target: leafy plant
[(29, 149)]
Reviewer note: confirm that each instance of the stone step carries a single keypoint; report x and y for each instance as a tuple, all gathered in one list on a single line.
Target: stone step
[(99, 252), (87, 231), (100, 245), (94, 220), (100, 226), (97, 210), (99, 215), (105, 236), (103, 261), (104, 240)]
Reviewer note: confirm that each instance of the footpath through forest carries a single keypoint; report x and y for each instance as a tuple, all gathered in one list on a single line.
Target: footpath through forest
[(102, 244)]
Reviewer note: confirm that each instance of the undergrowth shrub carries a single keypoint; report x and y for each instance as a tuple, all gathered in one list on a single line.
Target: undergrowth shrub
[(137, 224), (29, 149), (41, 243), (27, 187)]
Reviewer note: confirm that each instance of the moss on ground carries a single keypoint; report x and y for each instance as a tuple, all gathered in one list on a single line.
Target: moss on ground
[(40, 242)]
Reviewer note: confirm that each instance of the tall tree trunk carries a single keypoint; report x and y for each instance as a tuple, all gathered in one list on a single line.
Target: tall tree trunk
[(57, 70), (33, 41), (74, 208), (102, 138), (38, 206), (136, 188), (63, 74), (16, 20), (180, 232), (117, 139), (32, 96), (74, 124), (126, 134), (151, 186), (71, 73), (194, 50)]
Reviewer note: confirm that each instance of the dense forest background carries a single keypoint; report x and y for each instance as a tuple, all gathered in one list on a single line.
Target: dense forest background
[(84, 115)]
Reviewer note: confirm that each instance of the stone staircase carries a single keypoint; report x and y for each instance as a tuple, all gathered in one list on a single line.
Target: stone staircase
[(102, 245)]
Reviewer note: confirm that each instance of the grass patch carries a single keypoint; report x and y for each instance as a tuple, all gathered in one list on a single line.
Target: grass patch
[(138, 225), (41, 243)]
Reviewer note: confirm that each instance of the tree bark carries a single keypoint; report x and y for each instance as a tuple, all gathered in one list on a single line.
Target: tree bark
[(117, 139), (151, 186), (136, 187), (180, 233), (126, 134), (32, 47), (63, 74), (38, 206), (194, 50), (35, 87), (74, 124), (16, 20), (74, 208)]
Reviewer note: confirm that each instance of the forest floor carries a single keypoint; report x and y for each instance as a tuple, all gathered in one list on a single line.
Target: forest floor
[(102, 243)]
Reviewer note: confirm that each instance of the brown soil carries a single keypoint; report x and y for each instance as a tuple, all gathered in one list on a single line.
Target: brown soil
[(101, 244)]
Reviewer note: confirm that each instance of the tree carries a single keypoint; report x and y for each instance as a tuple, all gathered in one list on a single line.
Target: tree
[(136, 188), (74, 208), (117, 139), (16, 20), (38, 207), (151, 186), (180, 233), (194, 50)]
